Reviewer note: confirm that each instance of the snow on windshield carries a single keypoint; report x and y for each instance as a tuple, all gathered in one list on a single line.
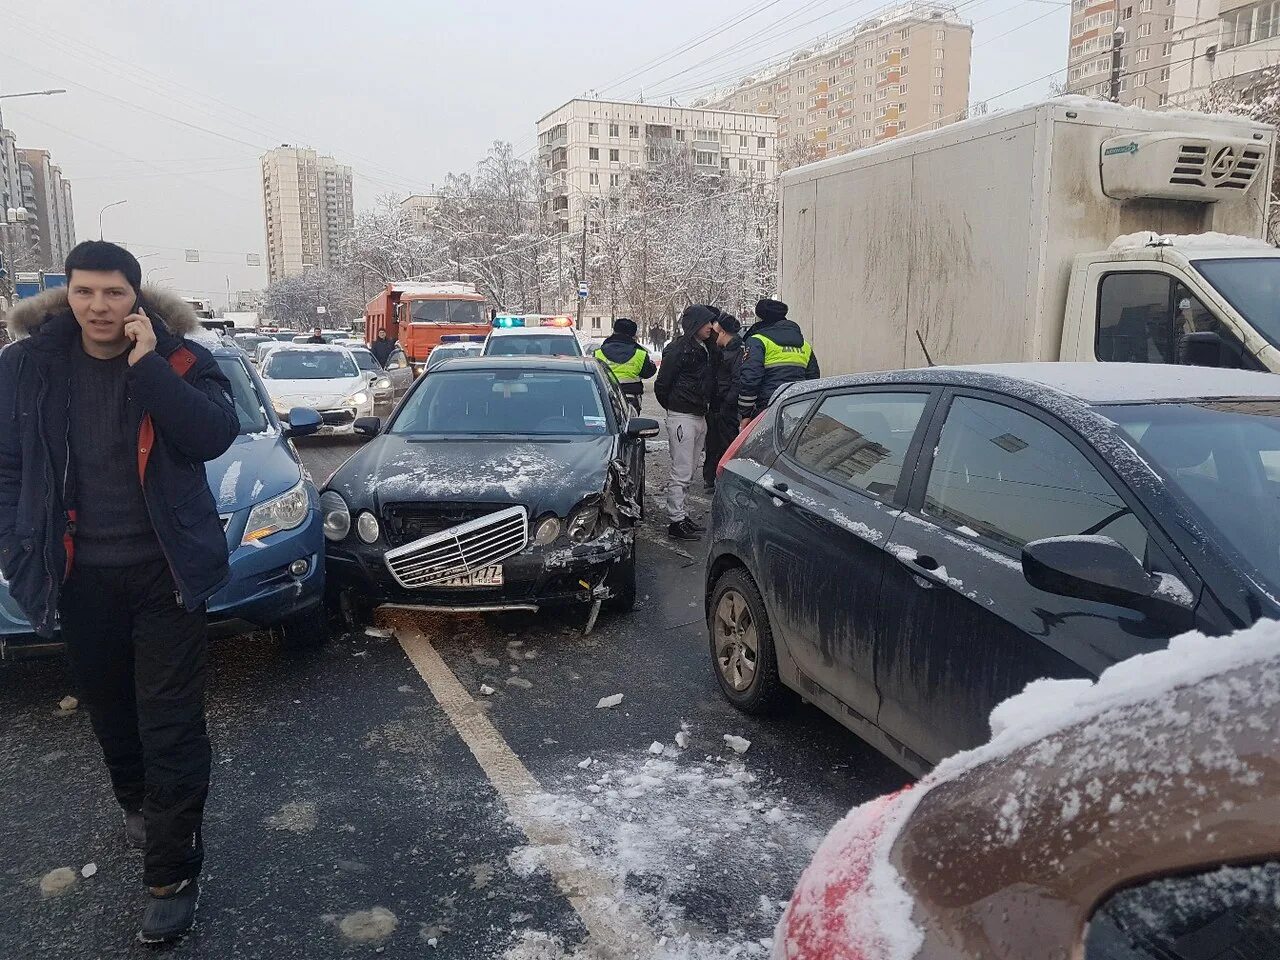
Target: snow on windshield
[(872, 911)]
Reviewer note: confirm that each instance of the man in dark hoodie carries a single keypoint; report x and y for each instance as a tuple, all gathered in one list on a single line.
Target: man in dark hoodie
[(722, 416), (683, 388), (627, 361), (103, 397), (777, 354)]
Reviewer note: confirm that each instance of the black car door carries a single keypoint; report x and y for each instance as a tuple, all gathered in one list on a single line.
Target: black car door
[(826, 509), (962, 628)]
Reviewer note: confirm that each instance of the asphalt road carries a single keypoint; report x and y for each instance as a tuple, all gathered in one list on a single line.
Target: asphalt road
[(524, 823)]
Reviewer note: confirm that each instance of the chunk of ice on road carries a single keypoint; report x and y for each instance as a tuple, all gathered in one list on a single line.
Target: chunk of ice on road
[(381, 632), (68, 703), (607, 702), (88, 870), (487, 690), (656, 748), (738, 744), (682, 739), (583, 764), (57, 881)]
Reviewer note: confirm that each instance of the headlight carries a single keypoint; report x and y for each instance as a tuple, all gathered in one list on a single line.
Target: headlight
[(285, 512), (337, 518), (384, 383), (358, 399), (547, 531), (583, 523), (367, 527)]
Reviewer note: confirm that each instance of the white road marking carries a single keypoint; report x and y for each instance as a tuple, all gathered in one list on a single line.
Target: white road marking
[(612, 929)]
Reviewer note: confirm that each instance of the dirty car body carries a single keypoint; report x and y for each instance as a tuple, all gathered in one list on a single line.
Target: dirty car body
[(498, 484)]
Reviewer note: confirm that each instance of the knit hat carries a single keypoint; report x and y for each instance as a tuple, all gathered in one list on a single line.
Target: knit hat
[(771, 311), (729, 323), (625, 327)]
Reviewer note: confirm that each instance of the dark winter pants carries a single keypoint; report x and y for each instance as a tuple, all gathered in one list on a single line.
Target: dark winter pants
[(718, 440), (139, 659)]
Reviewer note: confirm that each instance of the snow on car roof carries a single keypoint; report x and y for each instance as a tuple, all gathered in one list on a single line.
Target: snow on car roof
[(878, 914)]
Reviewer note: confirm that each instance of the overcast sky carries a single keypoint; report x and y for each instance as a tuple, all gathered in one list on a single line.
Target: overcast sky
[(171, 104)]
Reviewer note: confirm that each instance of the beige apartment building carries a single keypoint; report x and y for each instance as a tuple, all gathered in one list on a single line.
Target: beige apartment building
[(46, 195), (1145, 55), (899, 73), (308, 206), (588, 148)]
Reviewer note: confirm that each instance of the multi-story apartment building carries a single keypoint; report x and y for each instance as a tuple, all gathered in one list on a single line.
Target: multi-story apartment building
[(417, 210), (1221, 45), (902, 72), (588, 148), (47, 197), (1145, 53), (308, 208)]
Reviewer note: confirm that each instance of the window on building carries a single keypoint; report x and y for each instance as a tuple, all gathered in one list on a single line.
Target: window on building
[(593, 179), (593, 153), (868, 64), (742, 165), (1166, 50), (760, 166), (635, 157), (760, 143), (1128, 14), (615, 179), (593, 129), (1140, 80), (1163, 100), (937, 53), (866, 98), (1144, 55), (615, 156), (1164, 73), (1144, 30), (724, 163), (634, 131), (1139, 102), (613, 130), (937, 89), (866, 133), (680, 136), (1168, 24), (936, 109), (866, 117)]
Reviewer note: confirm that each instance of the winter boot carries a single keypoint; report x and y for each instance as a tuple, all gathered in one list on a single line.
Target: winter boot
[(171, 913), (681, 530), (135, 829)]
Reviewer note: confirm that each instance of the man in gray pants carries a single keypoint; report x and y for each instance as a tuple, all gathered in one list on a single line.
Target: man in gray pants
[(683, 388)]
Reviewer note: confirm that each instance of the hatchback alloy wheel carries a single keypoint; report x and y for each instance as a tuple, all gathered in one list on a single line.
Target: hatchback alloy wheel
[(737, 646)]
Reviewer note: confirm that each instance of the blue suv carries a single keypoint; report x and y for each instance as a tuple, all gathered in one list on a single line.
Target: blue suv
[(271, 513)]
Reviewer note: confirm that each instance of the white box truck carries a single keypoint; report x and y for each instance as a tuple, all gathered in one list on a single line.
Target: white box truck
[(1068, 230)]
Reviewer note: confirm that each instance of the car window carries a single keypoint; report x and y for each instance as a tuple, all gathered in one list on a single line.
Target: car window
[(534, 345), (1002, 474), (789, 418), (1232, 913), (285, 364), (861, 439), (508, 402), (366, 361), (397, 360), (1143, 318), (249, 406)]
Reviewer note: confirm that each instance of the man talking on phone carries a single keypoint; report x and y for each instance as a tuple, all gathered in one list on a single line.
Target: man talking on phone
[(108, 529)]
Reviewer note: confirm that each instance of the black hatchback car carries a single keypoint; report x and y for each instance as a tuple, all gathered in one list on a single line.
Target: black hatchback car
[(497, 484), (908, 549)]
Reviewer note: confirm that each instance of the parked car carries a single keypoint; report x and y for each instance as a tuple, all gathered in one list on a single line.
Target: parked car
[(551, 339), (1131, 819), (249, 342), (503, 484), (271, 513), (379, 382), (400, 372), (321, 377), (908, 549)]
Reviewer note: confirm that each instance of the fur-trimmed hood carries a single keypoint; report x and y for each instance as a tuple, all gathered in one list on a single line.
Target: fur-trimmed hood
[(171, 310)]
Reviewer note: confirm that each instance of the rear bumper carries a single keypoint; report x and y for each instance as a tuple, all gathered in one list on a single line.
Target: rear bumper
[(534, 578)]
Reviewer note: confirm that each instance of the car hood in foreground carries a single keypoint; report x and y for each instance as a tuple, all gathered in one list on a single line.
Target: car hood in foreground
[(314, 393), (257, 467), (544, 474)]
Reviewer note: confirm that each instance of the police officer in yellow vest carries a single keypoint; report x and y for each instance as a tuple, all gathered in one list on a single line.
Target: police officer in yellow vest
[(777, 354), (627, 360)]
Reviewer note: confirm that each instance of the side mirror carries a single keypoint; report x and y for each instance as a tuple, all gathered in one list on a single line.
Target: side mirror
[(642, 427), (1099, 569), (368, 426), (303, 421), (1202, 349)]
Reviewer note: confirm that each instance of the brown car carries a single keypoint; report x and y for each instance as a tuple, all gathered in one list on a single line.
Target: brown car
[(1137, 818)]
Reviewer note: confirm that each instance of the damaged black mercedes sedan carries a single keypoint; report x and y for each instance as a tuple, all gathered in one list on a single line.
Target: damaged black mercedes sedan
[(499, 484)]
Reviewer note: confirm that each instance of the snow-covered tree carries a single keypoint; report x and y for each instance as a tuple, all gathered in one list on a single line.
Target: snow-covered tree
[(1256, 96), (292, 302)]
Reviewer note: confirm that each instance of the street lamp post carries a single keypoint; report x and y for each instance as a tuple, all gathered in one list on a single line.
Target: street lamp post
[(30, 93), (104, 210)]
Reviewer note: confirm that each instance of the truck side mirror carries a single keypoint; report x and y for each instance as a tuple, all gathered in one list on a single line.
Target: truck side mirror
[(1208, 348)]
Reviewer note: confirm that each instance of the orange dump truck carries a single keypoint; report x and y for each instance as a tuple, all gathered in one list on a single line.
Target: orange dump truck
[(420, 314)]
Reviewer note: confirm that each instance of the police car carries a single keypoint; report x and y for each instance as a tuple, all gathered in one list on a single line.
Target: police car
[(532, 335)]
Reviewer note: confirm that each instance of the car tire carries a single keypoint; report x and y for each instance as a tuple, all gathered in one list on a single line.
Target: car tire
[(306, 631), (622, 581), (741, 644), (347, 611)]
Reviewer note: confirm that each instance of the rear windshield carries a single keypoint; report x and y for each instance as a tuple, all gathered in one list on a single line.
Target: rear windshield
[(1223, 457), (440, 354), (283, 364), (366, 361), (447, 311), (534, 345), (515, 402), (249, 406)]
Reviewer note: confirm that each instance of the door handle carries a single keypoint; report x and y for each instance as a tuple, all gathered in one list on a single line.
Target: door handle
[(925, 562), (779, 491)]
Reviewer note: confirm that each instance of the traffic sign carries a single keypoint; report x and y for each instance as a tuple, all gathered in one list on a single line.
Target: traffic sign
[(582, 291)]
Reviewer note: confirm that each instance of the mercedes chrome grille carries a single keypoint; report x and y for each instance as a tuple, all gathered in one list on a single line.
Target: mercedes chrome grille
[(460, 550)]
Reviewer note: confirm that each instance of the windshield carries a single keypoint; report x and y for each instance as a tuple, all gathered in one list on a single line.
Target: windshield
[(1252, 286), (489, 402), (1223, 456), (249, 341), (253, 419), (366, 361), (283, 364), (440, 354), (447, 311), (284, 337), (534, 345)]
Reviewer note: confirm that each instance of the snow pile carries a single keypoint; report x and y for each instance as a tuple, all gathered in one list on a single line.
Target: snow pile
[(1193, 241), (853, 896), (668, 831)]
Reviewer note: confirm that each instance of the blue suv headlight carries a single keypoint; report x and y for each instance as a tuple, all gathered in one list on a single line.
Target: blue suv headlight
[(285, 512)]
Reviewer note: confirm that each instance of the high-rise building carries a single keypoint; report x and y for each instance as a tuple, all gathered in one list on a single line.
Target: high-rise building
[(1145, 53), (1222, 47), (904, 71), (589, 148), (417, 210), (50, 216), (308, 207)]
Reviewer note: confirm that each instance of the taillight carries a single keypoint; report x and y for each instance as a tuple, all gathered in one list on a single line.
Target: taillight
[(738, 441)]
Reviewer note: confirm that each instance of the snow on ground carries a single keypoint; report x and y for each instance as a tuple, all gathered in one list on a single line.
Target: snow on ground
[(681, 829)]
